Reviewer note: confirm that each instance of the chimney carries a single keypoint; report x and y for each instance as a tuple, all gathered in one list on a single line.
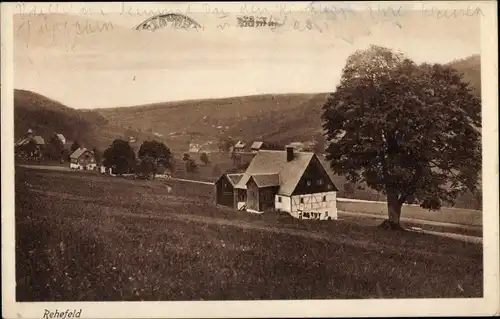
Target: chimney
[(289, 153)]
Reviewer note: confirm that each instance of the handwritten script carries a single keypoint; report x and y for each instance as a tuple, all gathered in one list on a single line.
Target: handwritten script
[(314, 16)]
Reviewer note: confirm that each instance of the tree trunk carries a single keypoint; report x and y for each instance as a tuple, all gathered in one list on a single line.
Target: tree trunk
[(394, 213)]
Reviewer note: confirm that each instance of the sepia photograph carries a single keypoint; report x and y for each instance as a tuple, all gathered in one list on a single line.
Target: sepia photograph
[(249, 152)]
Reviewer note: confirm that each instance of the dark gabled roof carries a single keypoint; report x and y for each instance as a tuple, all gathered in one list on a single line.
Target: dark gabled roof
[(257, 145), (274, 162), (266, 180), (240, 144), (39, 140), (234, 178), (77, 153), (23, 141)]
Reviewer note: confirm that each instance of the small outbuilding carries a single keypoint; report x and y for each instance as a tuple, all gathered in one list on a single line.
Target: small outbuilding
[(224, 189)]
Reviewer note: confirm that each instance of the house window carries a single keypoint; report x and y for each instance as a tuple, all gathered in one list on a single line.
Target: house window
[(320, 182), (308, 183), (279, 199), (302, 201), (324, 198)]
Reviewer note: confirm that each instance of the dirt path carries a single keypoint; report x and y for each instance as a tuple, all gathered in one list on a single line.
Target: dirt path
[(412, 220), (190, 181)]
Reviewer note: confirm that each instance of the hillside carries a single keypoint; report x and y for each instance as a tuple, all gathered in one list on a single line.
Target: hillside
[(280, 118), (46, 117), (275, 118), (470, 68)]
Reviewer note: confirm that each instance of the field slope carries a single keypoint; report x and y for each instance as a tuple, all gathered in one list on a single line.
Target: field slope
[(83, 237)]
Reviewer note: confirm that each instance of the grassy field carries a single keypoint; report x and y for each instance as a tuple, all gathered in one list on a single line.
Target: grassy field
[(85, 237)]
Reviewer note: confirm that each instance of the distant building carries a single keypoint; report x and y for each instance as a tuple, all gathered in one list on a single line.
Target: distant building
[(256, 146), (298, 146), (62, 138), (30, 145), (82, 159), (194, 148), (239, 147), (29, 137), (288, 181)]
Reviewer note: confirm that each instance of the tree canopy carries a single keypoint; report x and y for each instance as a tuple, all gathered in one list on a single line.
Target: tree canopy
[(75, 146), (55, 148), (120, 156), (225, 144), (157, 151), (191, 166), (204, 158), (409, 131)]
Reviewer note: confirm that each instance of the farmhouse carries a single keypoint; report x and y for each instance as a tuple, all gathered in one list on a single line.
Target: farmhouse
[(82, 159), (288, 181)]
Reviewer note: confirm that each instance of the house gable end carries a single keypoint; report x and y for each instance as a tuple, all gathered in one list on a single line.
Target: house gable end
[(314, 179)]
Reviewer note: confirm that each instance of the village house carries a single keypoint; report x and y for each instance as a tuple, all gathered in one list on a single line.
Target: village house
[(287, 181), (30, 145), (256, 146), (239, 147), (82, 159)]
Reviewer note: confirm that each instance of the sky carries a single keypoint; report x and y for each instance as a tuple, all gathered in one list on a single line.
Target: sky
[(90, 56)]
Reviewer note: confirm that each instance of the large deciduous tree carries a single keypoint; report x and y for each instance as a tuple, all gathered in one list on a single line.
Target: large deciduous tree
[(119, 156), (75, 146), (55, 148), (157, 151), (204, 158), (409, 131)]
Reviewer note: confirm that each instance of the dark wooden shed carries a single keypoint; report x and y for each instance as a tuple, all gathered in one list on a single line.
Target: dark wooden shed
[(224, 189)]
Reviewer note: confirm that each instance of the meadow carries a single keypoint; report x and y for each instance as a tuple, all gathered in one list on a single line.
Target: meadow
[(86, 237)]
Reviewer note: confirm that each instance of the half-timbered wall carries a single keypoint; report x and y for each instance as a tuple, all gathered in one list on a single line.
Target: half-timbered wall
[(323, 204)]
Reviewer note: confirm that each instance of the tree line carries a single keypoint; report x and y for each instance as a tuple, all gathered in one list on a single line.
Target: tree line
[(153, 158)]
